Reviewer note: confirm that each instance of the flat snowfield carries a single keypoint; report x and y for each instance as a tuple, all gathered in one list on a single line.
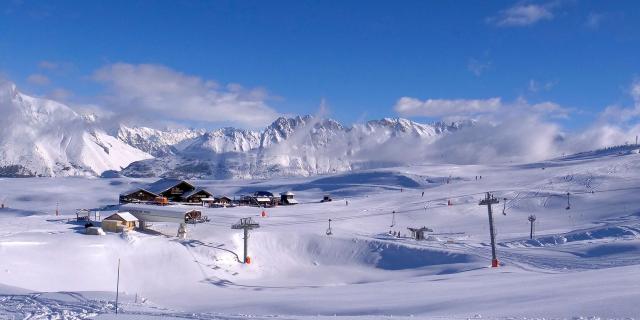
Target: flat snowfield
[(583, 261)]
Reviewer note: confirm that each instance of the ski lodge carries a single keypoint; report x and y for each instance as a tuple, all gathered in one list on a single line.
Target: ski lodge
[(258, 199), (217, 202), (263, 199), (197, 195), (173, 190)]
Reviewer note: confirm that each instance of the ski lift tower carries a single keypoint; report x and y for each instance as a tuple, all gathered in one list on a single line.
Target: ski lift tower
[(532, 220), (245, 224), (488, 201)]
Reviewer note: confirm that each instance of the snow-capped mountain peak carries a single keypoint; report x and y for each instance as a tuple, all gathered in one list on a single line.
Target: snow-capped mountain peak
[(302, 145), (44, 137)]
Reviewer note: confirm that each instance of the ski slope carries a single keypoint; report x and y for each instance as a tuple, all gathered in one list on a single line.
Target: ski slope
[(582, 263)]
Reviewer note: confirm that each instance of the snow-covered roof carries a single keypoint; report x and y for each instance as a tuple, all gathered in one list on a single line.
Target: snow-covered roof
[(190, 193), (263, 199), (134, 190), (262, 194), (165, 184), (156, 213), (288, 193), (126, 216)]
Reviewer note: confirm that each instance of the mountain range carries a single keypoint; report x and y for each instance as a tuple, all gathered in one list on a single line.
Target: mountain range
[(41, 137)]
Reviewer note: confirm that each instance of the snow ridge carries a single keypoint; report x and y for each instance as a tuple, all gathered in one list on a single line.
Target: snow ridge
[(40, 137), (298, 146)]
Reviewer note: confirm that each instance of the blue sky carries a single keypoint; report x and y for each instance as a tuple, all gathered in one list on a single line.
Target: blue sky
[(361, 57)]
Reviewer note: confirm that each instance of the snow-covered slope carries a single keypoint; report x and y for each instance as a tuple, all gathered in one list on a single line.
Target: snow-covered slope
[(580, 264), (300, 146), (40, 137)]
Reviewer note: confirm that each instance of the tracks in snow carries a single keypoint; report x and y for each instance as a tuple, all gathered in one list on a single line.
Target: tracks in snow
[(74, 306), (35, 306)]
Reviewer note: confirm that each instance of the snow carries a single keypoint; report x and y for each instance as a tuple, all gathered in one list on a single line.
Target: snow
[(299, 146), (168, 213), (40, 137), (156, 142), (581, 264), (126, 216)]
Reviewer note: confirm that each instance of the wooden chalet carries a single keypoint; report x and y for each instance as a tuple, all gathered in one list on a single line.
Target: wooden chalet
[(244, 200), (217, 202), (119, 221), (137, 195), (263, 199), (196, 196), (223, 200), (173, 190), (287, 198)]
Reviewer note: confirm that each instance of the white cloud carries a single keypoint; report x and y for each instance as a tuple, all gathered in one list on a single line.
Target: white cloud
[(523, 14), (515, 137), (617, 113), (158, 92), (38, 79), (635, 92), (551, 109), (410, 107), (487, 109)]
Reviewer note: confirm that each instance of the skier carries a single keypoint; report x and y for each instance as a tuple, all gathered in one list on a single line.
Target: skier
[(423, 194)]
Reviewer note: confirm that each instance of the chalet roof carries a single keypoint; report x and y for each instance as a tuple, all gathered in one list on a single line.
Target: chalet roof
[(262, 194), (288, 193), (222, 197), (155, 213), (165, 184), (134, 190), (126, 216), (263, 199), (196, 190)]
